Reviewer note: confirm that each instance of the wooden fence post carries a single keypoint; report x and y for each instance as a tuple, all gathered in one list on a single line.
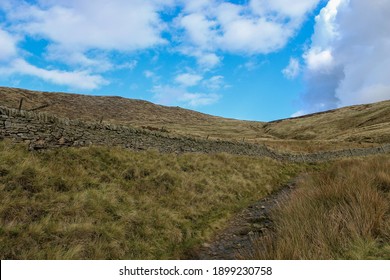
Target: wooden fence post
[(20, 104)]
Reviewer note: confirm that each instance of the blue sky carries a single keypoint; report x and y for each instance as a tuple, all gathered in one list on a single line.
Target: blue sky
[(250, 59)]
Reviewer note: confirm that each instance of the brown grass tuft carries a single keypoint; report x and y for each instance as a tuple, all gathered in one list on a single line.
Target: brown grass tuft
[(340, 213)]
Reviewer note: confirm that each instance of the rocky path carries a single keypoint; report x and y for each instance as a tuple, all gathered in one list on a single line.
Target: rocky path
[(242, 229)]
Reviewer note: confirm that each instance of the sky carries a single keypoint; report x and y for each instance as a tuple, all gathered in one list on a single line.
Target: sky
[(245, 59)]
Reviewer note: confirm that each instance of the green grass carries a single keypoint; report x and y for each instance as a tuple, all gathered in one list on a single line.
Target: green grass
[(342, 212), (111, 203)]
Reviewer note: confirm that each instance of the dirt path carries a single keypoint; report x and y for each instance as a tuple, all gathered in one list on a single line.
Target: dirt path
[(241, 230)]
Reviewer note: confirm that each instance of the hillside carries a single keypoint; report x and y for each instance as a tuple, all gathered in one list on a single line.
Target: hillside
[(365, 123), (119, 110), (354, 126)]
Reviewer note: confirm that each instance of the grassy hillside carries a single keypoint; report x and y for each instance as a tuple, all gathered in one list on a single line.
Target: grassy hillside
[(355, 126), (110, 203), (362, 123), (119, 110)]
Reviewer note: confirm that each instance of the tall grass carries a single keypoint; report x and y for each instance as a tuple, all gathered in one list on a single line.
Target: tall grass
[(111, 203), (340, 213)]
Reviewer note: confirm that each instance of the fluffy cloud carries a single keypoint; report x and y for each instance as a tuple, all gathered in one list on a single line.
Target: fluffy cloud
[(215, 82), (199, 30), (319, 60), (348, 60), (74, 79), (208, 60), (7, 46), (188, 80), (259, 26), (283, 7), (292, 70), (189, 89), (80, 34), (168, 95), (149, 74), (82, 24)]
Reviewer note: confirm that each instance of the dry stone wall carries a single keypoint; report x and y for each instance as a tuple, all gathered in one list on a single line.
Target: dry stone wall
[(42, 131)]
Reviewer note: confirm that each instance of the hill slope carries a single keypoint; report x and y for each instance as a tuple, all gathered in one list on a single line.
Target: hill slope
[(119, 110), (355, 124), (369, 122)]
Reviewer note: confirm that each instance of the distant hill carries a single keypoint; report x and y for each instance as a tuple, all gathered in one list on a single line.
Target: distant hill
[(368, 123), (365, 123)]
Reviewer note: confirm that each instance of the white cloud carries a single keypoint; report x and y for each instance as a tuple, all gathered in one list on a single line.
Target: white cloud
[(167, 95), (208, 60), (372, 93), (96, 63), (188, 80), (214, 83), (253, 36), (348, 59), (83, 33), (75, 79), (199, 30), (196, 6), (149, 74), (251, 28), (83, 24), (283, 7), (326, 29), (298, 114), (253, 64), (7, 46), (319, 57), (74, 58), (127, 65), (319, 60), (293, 69)]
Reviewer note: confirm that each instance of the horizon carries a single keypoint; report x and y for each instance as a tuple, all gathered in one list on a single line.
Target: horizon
[(248, 60)]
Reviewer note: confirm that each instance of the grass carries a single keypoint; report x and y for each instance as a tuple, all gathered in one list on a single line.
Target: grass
[(111, 203), (312, 146), (340, 213)]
